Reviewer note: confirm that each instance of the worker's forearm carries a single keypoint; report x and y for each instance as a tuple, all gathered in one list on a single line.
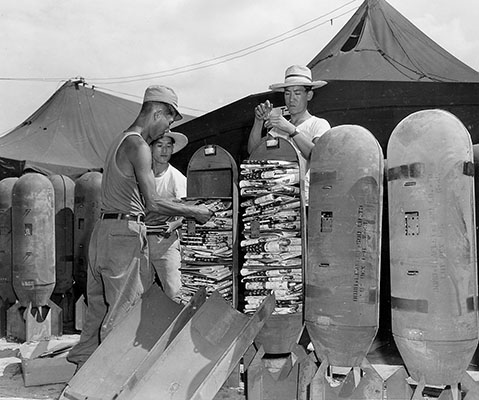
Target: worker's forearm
[(255, 135), (304, 144), (171, 208)]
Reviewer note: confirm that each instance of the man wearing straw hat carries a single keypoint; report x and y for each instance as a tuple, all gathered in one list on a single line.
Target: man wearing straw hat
[(163, 240), (303, 128)]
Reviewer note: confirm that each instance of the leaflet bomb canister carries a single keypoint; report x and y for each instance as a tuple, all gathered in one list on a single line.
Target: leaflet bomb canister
[(63, 188), (6, 287), (87, 205), (433, 246), (33, 238), (344, 244)]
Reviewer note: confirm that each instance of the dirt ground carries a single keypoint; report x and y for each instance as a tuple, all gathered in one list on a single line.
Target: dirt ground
[(12, 384), (11, 379)]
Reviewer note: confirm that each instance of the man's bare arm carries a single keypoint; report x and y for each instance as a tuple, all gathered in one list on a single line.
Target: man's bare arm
[(139, 154), (261, 112), (254, 138)]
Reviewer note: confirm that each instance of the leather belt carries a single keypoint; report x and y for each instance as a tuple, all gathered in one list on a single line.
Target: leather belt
[(129, 217)]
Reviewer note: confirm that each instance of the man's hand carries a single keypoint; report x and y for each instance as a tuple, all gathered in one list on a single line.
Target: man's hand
[(202, 214), (278, 122), (262, 111), (174, 225)]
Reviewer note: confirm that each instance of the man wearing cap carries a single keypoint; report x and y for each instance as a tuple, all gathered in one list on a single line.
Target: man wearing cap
[(119, 271), (163, 239), (303, 128)]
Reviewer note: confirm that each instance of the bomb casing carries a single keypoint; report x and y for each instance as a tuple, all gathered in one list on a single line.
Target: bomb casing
[(87, 207), (33, 238), (344, 244), (433, 245), (6, 286), (63, 187)]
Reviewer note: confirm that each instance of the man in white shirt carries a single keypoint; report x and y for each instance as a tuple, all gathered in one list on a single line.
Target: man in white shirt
[(163, 240), (303, 128)]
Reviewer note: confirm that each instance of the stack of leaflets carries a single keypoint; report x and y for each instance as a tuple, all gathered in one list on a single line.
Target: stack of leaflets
[(271, 242), (207, 252)]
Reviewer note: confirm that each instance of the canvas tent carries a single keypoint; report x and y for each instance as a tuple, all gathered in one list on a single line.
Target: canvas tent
[(378, 43), (379, 67), (69, 134)]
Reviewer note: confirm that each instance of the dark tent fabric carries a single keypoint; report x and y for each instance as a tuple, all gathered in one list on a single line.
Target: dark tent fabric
[(368, 66), (379, 43), (69, 134)]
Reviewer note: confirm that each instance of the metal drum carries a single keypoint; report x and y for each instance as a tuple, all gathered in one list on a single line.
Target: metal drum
[(433, 245)]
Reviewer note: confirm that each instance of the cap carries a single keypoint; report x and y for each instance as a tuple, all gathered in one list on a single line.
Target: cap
[(163, 94)]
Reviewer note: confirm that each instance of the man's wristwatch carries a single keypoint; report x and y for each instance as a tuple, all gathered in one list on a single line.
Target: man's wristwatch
[(292, 135)]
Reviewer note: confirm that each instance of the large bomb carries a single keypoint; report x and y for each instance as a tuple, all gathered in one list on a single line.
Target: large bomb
[(33, 236), (433, 246), (344, 244), (87, 206), (6, 287), (63, 188)]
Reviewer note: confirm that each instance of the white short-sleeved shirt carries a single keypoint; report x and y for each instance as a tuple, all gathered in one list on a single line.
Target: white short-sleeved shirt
[(172, 184), (312, 128), (318, 126)]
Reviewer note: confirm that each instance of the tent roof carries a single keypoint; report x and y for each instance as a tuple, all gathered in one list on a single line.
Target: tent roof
[(379, 43), (392, 70), (71, 131), (73, 128)]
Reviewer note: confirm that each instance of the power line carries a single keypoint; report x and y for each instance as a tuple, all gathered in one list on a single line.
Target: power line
[(47, 80), (209, 62), (201, 64), (197, 66), (246, 49)]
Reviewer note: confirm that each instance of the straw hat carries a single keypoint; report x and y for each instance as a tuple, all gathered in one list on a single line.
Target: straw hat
[(179, 140), (297, 75)]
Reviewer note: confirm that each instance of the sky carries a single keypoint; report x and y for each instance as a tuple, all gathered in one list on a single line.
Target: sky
[(212, 52)]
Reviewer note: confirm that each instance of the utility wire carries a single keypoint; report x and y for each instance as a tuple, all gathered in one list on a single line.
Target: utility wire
[(201, 64), (209, 62), (262, 43), (47, 80), (177, 72)]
